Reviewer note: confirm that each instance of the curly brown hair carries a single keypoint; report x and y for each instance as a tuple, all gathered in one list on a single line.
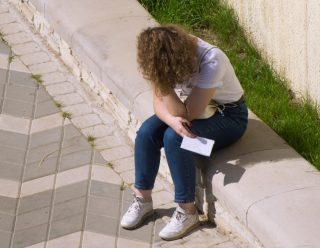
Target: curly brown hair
[(167, 56)]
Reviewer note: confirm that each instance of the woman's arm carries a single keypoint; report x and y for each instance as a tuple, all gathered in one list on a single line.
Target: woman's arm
[(194, 105), (175, 122)]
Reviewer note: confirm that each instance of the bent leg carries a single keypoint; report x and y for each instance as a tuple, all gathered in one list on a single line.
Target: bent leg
[(148, 142), (182, 167)]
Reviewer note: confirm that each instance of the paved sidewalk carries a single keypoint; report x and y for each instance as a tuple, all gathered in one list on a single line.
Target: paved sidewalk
[(66, 168)]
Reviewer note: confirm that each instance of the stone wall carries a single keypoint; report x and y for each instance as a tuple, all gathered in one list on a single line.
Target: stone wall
[(287, 33)]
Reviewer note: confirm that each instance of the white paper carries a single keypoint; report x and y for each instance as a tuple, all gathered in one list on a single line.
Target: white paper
[(198, 145)]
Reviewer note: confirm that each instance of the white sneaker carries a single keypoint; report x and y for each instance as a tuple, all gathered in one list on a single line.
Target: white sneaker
[(136, 213), (180, 224)]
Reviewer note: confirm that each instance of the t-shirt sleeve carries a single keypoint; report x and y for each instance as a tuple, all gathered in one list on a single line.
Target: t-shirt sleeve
[(211, 73)]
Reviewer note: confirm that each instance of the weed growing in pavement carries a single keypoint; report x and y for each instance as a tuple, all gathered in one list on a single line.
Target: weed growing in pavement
[(110, 165), (67, 115), (58, 104), (10, 58), (122, 186), (91, 139), (268, 96), (37, 78)]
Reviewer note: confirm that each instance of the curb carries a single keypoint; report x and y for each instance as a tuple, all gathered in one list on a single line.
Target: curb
[(262, 185)]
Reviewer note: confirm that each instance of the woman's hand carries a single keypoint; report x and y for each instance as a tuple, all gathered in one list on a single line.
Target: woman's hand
[(181, 126)]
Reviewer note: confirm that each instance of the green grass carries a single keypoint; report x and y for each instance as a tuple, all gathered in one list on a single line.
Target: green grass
[(267, 95)]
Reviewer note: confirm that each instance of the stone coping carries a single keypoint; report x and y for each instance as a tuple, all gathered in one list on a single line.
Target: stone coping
[(260, 180)]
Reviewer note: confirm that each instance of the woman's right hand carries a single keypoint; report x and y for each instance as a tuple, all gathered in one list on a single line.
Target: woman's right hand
[(181, 126)]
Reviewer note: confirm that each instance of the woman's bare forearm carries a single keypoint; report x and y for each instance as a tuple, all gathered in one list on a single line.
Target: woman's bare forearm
[(161, 110), (174, 105)]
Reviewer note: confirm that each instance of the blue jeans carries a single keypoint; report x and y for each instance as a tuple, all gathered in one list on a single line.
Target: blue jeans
[(154, 134)]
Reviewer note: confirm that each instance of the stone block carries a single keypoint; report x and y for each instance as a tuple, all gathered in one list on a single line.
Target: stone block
[(60, 88), (86, 120), (26, 48), (18, 38), (35, 58)]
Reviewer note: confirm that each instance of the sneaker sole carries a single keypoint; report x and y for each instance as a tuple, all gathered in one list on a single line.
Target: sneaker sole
[(139, 222), (182, 234)]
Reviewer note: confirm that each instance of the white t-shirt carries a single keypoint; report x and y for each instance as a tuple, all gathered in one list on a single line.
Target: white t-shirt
[(215, 71)]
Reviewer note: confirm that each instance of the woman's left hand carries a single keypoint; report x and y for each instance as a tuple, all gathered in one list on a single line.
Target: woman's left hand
[(181, 126)]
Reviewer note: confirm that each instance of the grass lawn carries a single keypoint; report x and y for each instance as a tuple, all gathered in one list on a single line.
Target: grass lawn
[(267, 95)]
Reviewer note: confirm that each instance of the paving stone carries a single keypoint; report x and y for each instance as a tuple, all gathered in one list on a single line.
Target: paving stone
[(158, 225), (6, 222), (70, 131), (4, 9), (98, 159), (14, 124), (35, 201), (97, 240), (103, 206), (15, 140), (7, 204), (69, 99), (40, 169), (123, 243), (75, 144), (46, 108), (5, 239), (22, 79), (2, 89), (11, 28), (105, 174), (142, 233), (46, 137), (43, 96), (10, 171), (79, 109), (69, 241), (60, 88), (43, 152), (26, 48), (6, 18), (86, 120), (48, 123), (101, 224), (26, 94), (128, 176), (68, 208), (71, 191), (30, 236), (11, 155), (117, 153), (3, 76), (66, 226), (35, 58), (108, 142), (9, 188), (107, 190), (76, 159), (100, 130), (123, 165), (72, 176), (18, 109), (18, 38), (161, 198), (54, 77), (43, 68), (33, 218), (4, 49), (37, 185)]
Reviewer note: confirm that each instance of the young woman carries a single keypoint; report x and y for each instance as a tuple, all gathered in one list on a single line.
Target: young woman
[(181, 66)]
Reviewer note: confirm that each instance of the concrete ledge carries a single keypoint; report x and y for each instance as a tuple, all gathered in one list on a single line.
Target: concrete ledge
[(264, 185)]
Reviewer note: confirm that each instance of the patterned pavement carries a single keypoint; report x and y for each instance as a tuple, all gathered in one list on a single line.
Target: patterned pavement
[(66, 167)]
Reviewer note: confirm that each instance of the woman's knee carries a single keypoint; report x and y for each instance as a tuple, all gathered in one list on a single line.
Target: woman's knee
[(171, 138)]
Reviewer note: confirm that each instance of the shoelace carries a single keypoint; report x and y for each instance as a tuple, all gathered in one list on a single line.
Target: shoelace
[(179, 217), (135, 206)]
